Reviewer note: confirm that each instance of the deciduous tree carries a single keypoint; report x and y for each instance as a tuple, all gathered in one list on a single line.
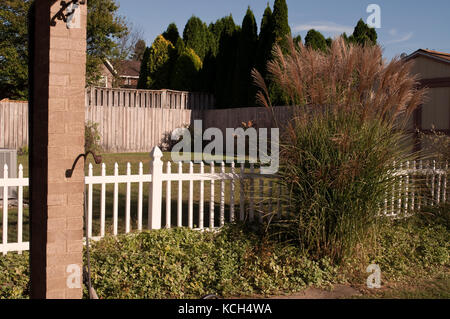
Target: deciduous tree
[(14, 49)]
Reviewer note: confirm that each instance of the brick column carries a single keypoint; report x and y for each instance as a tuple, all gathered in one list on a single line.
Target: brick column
[(57, 116)]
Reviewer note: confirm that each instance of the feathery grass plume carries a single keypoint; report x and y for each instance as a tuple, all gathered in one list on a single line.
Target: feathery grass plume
[(339, 147)]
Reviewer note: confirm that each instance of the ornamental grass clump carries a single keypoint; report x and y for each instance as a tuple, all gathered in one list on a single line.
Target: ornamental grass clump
[(349, 108)]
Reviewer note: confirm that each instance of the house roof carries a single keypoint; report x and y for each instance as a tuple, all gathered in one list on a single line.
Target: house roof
[(441, 56), (126, 68), (129, 68)]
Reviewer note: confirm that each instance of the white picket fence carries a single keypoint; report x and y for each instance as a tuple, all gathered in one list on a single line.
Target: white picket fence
[(243, 194), (418, 184), (241, 199)]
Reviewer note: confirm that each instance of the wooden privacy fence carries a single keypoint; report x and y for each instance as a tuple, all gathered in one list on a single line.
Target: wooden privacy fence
[(13, 124), (136, 129), (200, 197), (168, 99)]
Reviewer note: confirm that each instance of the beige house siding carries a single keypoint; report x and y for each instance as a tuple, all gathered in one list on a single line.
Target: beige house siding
[(429, 68), (436, 111)]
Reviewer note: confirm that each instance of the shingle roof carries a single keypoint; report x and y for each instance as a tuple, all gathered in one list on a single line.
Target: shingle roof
[(432, 54), (129, 68)]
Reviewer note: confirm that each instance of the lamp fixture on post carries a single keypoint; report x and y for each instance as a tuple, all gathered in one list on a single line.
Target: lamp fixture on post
[(65, 16)]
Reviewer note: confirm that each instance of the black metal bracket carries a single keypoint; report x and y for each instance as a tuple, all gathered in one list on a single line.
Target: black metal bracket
[(60, 15), (97, 159)]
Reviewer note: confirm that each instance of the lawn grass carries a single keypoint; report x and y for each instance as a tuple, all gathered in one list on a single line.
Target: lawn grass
[(134, 159)]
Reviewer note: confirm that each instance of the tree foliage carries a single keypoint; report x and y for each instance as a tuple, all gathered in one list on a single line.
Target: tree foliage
[(157, 66), (281, 29), (14, 49), (363, 34), (226, 63), (186, 71), (172, 34), (316, 40), (196, 36), (104, 29), (266, 41), (143, 73), (248, 43)]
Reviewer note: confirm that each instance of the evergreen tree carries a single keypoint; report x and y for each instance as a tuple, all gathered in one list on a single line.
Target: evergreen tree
[(158, 65), (143, 73), (226, 62), (216, 29), (172, 34), (196, 36), (180, 46), (245, 93), (297, 39), (363, 34), (281, 29), (315, 40), (265, 42), (186, 71)]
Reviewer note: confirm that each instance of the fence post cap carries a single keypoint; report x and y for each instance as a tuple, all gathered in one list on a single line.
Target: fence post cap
[(156, 153)]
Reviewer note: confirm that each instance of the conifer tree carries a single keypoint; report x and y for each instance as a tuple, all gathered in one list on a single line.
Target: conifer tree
[(245, 94), (265, 42), (157, 64), (195, 36), (172, 34), (226, 62), (186, 71), (281, 27), (363, 34), (143, 74), (315, 40), (281, 31)]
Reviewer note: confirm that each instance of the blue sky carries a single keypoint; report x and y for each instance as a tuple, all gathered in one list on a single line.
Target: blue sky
[(405, 25)]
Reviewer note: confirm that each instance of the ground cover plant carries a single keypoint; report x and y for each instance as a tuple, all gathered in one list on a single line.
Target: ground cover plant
[(239, 261)]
